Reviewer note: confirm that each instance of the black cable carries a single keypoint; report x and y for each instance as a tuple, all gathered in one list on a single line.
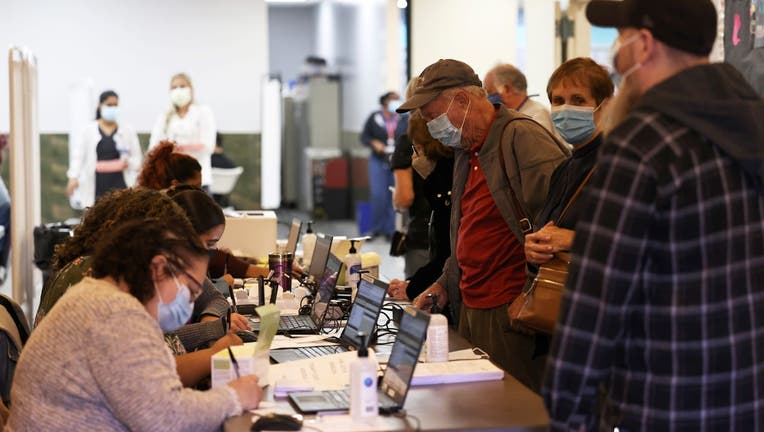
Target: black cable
[(404, 415)]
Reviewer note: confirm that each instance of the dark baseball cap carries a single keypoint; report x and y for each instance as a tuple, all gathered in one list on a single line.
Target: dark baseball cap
[(437, 77), (687, 25)]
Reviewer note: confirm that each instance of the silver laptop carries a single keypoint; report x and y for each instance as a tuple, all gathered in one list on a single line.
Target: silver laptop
[(294, 236), (395, 382), (363, 319), (314, 322)]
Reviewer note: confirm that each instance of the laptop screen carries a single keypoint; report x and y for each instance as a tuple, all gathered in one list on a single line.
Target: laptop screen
[(320, 255), (294, 235), (405, 354), (365, 311), (325, 291)]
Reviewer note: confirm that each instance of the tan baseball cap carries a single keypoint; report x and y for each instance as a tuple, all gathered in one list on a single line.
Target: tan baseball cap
[(437, 77)]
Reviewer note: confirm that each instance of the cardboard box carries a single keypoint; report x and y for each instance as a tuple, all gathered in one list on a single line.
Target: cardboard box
[(251, 234)]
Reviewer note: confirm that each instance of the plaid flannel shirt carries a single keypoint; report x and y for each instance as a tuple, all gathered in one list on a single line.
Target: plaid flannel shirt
[(665, 297)]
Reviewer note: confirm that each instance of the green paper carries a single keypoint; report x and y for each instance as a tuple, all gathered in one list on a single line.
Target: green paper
[(269, 325)]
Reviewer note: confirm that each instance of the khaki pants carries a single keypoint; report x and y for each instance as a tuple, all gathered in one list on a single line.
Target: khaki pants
[(489, 330)]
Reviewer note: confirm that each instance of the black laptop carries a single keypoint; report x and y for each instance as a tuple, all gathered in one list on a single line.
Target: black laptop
[(321, 253), (395, 382), (294, 235), (313, 323), (363, 318)]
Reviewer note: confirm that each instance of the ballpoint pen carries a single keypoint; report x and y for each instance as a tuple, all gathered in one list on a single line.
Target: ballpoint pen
[(234, 362)]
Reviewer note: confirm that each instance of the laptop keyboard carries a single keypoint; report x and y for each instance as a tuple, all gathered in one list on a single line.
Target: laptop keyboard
[(290, 322), (320, 351), (340, 397)]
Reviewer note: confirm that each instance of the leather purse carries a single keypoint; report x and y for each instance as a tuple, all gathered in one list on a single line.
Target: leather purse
[(537, 308)]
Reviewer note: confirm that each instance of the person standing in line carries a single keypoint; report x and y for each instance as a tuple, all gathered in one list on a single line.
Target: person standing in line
[(507, 84), (379, 135), (663, 305), (502, 164), (409, 196), (108, 156), (189, 125)]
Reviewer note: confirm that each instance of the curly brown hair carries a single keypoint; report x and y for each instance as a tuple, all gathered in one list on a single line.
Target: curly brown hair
[(112, 210), (420, 136), (126, 253), (163, 165)]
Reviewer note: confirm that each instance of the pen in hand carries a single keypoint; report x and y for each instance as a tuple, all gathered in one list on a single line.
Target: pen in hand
[(234, 362)]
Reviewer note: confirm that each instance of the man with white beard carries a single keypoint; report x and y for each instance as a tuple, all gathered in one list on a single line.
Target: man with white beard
[(664, 305)]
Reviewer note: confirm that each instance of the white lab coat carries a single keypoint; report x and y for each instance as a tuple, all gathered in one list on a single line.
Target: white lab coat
[(84, 157), (196, 127)]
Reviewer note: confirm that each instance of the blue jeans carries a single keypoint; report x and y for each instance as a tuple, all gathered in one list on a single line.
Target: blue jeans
[(380, 180)]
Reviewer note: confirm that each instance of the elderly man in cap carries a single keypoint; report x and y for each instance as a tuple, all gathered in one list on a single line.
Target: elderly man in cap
[(664, 306), (503, 162)]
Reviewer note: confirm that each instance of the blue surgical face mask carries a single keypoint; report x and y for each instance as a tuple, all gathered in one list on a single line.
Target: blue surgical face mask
[(442, 130), (172, 316), (110, 113), (575, 124), (495, 98), (394, 105)]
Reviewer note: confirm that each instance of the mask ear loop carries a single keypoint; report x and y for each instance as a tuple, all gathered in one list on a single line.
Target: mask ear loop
[(469, 102)]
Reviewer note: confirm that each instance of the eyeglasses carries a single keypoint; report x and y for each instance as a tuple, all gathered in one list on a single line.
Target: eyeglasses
[(195, 293)]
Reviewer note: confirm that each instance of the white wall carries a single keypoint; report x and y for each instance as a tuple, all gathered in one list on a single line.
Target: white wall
[(291, 38), (134, 47), (480, 34)]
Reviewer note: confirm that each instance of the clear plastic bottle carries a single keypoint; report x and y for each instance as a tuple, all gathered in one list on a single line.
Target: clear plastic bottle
[(352, 266), (436, 346), (364, 405)]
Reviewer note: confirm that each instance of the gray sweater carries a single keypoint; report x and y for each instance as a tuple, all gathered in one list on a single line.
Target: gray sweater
[(99, 362)]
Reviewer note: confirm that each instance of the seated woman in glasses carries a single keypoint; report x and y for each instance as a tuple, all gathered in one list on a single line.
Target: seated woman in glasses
[(99, 361), (74, 260)]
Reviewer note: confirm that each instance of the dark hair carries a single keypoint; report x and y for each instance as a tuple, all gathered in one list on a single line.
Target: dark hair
[(203, 212), (163, 165), (112, 210), (584, 72), (419, 135), (101, 99), (383, 99), (126, 253)]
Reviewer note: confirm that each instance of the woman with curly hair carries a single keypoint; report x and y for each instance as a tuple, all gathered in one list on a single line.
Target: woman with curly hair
[(98, 361), (165, 167), (74, 259)]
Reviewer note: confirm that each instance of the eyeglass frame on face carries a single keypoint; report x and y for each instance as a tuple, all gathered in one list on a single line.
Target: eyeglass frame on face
[(193, 295)]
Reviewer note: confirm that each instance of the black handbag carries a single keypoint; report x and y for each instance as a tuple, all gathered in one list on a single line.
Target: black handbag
[(398, 244)]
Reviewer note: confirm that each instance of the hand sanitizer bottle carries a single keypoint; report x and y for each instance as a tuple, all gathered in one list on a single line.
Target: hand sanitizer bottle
[(352, 266), (364, 406)]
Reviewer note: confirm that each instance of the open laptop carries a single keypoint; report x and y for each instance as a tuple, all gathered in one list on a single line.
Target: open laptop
[(294, 235), (319, 258), (363, 318), (395, 382), (313, 323)]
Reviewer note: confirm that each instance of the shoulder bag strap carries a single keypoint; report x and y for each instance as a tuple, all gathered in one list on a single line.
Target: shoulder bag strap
[(575, 195)]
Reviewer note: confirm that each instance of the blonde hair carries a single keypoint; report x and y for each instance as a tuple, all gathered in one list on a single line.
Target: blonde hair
[(173, 108)]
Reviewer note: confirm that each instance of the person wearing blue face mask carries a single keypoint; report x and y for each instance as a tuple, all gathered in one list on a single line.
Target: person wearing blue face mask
[(107, 155), (379, 135), (99, 361), (507, 85), (502, 164), (579, 91)]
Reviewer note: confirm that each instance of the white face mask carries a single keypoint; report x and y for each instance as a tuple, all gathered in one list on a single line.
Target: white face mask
[(180, 96), (619, 77)]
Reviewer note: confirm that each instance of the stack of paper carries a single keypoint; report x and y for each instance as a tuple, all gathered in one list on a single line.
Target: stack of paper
[(456, 372)]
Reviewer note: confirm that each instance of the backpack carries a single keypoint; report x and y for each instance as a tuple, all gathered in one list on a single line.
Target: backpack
[(14, 333)]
